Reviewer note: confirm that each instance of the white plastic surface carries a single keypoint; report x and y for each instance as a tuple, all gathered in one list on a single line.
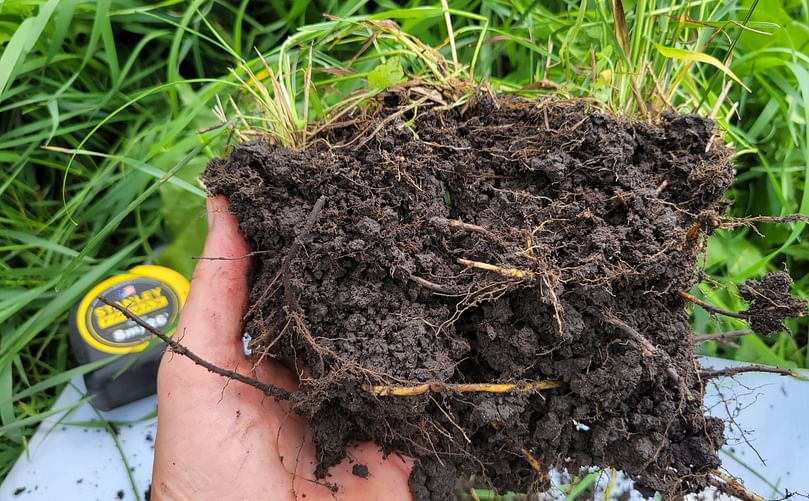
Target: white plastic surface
[(768, 437), (73, 455), (68, 461)]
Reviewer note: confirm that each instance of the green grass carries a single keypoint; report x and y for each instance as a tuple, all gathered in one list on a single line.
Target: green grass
[(110, 109), (772, 139)]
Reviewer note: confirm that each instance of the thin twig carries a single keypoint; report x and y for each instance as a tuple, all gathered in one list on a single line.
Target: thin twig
[(267, 389), (658, 87), (718, 105), (298, 243), (506, 272), (434, 286), (454, 423), (709, 307), (648, 348), (557, 315), (234, 258), (293, 306), (733, 371), (733, 222), (382, 124), (293, 251), (460, 225), (421, 389), (721, 336), (730, 486)]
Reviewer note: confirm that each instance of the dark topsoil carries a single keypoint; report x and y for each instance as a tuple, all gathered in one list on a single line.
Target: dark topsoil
[(603, 220)]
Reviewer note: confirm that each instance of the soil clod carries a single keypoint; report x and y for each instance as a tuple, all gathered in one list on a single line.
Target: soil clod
[(359, 470), (491, 290), (770, 303)]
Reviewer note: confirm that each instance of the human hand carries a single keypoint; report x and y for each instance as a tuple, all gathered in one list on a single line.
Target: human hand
[(223, 440)]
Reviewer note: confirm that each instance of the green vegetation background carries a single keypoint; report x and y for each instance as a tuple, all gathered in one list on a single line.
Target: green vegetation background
[(106, 120)]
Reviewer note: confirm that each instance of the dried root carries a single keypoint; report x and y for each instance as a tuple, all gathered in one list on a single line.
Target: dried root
[(733, 371), (709, 307), (506, 272), (423, 388), (730, 486)]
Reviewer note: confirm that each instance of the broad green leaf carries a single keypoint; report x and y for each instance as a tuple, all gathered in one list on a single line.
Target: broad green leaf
[(184, 216), (386, 75)]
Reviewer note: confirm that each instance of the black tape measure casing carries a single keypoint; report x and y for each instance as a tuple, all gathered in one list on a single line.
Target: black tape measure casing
[(97, 330)]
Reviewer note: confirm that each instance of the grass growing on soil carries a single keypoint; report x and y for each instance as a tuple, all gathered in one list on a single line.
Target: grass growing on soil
[(148, 77)]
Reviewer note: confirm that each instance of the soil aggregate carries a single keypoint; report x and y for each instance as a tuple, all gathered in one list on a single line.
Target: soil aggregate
[(506, 241), (360, 470), (770, 303)]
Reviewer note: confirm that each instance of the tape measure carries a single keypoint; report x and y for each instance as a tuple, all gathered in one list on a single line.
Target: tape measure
[(97, 330)]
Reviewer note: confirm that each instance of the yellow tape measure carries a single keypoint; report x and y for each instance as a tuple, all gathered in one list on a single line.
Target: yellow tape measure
[(97, 331), (154, 293)]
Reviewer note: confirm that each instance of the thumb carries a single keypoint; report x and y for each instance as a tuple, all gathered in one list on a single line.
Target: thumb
[(211, 319), (223, 241)]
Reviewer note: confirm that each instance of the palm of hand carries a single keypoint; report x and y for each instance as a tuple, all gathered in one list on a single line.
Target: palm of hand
[(221, 439)]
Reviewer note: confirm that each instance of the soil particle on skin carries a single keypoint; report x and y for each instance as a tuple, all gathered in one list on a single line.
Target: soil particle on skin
[(359, 470), (586, 225)]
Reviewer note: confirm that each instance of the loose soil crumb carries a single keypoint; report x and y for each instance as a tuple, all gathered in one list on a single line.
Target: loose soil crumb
[(771, 303), (590, 224), (360, 470)]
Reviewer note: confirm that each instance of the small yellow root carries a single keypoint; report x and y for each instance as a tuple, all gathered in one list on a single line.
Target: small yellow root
[(506, 272), (532, 460), (529, 243), (730, 485), (421, 389), (522, 275)]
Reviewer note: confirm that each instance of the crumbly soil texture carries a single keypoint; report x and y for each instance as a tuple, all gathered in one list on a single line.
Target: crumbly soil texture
[(409, 255)]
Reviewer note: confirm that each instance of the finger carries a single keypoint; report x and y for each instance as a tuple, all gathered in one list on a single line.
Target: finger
[(211, 321), (383, 478)]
